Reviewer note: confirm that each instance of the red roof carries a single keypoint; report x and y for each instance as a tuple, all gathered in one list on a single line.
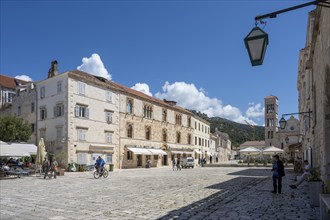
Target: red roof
[(9, 82), (134, 92)]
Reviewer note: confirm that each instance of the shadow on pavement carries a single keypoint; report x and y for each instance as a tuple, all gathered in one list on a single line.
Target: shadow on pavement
[(229, 191), (252, 172)]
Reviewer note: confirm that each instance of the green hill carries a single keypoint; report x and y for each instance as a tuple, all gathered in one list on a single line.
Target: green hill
[(238, 133)]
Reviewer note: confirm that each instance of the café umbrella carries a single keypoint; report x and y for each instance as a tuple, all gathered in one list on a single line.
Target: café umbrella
[(272, 150), (41, 152)]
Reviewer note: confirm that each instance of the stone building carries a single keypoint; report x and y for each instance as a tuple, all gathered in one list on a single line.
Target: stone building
[(223, 146), (201, 133), (287, 139), (8, 88), (271, 121), (78, 117), (152, 130), (23, 104), (314, 92), (81, 117)]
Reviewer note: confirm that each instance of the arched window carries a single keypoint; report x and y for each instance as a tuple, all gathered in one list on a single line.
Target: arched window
[(129, 131), (164, 135), (147, 111), (178, 137), (164, 115), (178, 119), (129, 106), (148, 133)]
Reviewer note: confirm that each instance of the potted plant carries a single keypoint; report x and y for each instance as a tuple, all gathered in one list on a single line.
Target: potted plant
[(315, 186)]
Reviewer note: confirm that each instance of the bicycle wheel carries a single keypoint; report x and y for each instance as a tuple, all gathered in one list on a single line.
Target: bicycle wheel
[(96, 174), (105, 174)]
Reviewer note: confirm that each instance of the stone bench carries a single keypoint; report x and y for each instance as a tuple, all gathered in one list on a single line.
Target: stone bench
[(325, 206)]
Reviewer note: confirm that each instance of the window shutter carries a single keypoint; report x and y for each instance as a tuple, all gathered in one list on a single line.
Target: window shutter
[(76, 110), (87, 112), (45, 113), (62, 110), (55, 114)]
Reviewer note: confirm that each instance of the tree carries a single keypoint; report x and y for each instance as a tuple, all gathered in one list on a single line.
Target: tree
[(14, 129)]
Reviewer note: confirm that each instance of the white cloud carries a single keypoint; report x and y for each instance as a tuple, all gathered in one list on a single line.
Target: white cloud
[(24, 78), (188, 96), (95, 66), (255, 111), (142, 87)]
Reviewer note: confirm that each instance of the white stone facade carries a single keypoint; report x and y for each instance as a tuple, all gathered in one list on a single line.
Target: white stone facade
[(201, 139)]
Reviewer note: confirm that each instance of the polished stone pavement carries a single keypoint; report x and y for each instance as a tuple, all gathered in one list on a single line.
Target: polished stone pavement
[(156, 193)]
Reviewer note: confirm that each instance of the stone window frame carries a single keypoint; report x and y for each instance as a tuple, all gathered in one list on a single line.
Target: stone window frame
[(178, 137), (129, 106), (129, 130), (43, 112), (58, 110), (108, 135), (164, 135), (189, 138), (129, 155), (147, 111), (164, 115), (148, 133), (178, 119)]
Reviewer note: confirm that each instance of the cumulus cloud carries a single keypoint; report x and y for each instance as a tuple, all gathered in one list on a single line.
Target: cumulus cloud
[(188, 96), (142, 87), (95, 66), (255, 111), (24, 78)]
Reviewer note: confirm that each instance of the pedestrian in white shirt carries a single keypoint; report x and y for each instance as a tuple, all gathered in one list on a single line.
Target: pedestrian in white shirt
[(306, 174)]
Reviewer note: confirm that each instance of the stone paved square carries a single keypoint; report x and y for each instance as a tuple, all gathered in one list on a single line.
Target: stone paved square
[(156, 193)]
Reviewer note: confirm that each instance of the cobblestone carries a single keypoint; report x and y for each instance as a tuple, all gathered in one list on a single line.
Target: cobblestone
[(157, 193)]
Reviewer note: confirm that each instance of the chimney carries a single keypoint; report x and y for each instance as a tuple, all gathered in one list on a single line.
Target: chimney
[(53, 71), (171, 103)]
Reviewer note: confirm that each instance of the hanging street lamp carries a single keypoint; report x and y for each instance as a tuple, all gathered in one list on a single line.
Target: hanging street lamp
[(257, 40), (256, 43), (282, 123)]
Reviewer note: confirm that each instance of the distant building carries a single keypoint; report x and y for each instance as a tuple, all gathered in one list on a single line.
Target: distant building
[(223, 146), (287, 139), (8, 90)]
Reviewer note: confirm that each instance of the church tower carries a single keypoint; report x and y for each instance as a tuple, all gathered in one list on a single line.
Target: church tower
[(271, 120)]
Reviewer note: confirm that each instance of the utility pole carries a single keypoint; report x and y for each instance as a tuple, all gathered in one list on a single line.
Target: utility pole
[(254, 129)]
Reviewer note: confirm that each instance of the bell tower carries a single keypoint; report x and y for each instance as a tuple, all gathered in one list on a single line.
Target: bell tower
[(271, 120)]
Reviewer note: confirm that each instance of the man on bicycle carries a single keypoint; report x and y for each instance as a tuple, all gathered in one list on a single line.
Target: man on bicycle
[(100, 164)]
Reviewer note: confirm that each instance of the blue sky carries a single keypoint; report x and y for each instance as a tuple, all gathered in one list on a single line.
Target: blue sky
[(189, 51)]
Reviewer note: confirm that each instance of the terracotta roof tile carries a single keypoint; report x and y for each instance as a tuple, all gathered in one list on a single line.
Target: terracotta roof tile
[(9, 82), (132, 91)]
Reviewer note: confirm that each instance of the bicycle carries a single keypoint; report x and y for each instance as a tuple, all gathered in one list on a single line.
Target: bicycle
[(98, 173)]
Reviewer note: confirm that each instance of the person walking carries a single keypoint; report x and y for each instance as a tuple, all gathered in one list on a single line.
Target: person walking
[(53, 168), (306, 174), (278, 173), (174, 164), (46, 166)]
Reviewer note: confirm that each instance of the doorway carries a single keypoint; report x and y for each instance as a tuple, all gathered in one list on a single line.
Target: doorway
[(139, 160), (164, 160)]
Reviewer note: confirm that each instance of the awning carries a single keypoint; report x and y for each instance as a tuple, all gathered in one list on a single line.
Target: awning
[(137, 150), (181, 152), (11, 151), (28, 148), (157, 151), (198, 152), (100, 148)]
